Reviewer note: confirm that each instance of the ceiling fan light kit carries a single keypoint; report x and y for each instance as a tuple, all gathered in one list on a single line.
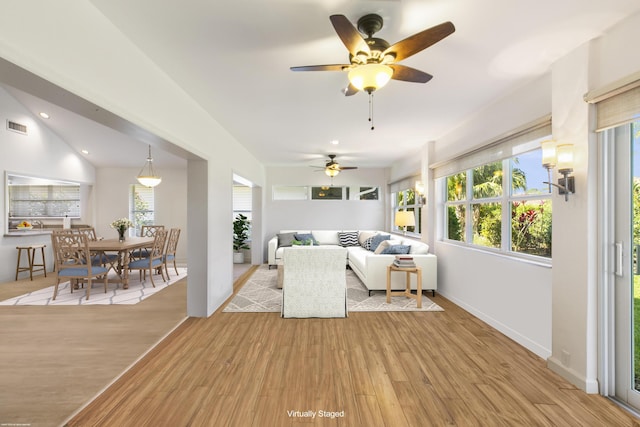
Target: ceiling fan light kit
[(373, 61), (370, 77)]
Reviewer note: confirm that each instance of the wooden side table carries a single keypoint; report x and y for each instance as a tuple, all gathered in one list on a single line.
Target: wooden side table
[(407, 291)]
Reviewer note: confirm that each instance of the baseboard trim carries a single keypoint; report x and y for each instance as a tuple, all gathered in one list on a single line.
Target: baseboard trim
[(590, 386), (524, 341)]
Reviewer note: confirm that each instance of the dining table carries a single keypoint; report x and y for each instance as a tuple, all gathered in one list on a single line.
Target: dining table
[(124, 249)]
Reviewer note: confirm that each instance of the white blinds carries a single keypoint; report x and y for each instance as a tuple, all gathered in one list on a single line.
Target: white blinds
[(519, 141), (404, 184), (617, 107)]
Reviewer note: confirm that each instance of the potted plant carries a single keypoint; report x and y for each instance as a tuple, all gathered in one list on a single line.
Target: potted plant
[(240, 236)]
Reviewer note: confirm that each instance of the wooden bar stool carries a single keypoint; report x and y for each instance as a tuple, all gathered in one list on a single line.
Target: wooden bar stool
[(31, 252)]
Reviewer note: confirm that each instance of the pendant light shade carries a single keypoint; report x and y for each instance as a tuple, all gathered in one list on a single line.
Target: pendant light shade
[(147, 175)]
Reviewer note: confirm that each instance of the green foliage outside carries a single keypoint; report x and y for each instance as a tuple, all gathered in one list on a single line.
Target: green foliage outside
[(140, 213), (530, 219)]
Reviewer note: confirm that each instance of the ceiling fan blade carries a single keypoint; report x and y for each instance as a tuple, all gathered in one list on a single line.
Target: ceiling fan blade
[(408, 74), (347, 168), (331, 67), (419, 41), (349, 35), (350, 90)]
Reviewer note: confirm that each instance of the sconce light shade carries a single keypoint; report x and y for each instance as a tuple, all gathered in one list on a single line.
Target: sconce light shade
[(147, 175), (420, 188), (370, 77), (565, 158), (548, 154), (562, 157)]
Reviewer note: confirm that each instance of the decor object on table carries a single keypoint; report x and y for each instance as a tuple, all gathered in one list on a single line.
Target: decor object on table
[(240, 236), (24, 225), (121, 225), (561, 156), (148, 177), (405, 219)]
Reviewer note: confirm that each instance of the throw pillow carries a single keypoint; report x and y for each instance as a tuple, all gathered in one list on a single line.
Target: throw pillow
[(304, 237), (348, 238), (367, 243), (385, 244), (363, 236), (397, 250), (285, 239), (377, 239)]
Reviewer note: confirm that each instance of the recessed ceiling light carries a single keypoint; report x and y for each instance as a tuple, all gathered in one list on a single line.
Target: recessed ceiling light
[(44, 115), (334, 142), (84, 151)]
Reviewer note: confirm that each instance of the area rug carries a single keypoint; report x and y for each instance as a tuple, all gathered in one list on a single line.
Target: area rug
[(260, 294), (137, 292)]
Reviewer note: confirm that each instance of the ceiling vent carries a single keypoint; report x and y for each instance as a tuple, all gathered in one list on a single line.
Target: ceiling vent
[(16, 127)]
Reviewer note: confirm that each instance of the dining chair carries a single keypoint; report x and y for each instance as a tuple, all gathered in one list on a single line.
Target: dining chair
[(154, 260), (146, 231), (109, 260), (73, 261), (170, 250)]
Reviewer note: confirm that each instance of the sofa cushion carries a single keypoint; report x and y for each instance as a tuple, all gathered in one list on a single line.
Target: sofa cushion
[(367, 243), (417, 248), (285, 239), (348, 238), (303, 237), (326, 237), (397, 250), (376, 240), (385, 244)]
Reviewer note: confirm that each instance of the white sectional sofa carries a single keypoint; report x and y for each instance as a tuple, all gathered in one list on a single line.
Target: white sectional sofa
[(370, 267)]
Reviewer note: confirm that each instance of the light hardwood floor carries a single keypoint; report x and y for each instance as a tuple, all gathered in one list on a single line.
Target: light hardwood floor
[(254, 369), (371, 369)]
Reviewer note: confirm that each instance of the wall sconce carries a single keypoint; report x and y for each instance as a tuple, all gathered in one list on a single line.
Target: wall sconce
[(562, 157), (419, 189)]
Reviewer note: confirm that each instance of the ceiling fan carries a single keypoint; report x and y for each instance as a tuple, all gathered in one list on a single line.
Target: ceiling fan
[(373, 62), (332, 167)]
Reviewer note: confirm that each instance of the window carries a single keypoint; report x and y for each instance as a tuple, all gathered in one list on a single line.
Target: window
[(503, 205), (406, 200), (141, 207), (30, 197)]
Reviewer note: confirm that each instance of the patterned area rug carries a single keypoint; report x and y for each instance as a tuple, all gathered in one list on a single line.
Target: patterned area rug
[(260, 294), (115, 294)]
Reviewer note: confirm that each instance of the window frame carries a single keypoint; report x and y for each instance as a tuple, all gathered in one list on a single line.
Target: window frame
[(506, 200), (417, 209), (137, 225)]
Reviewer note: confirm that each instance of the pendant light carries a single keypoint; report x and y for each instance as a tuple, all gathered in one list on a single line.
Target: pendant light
[(147, 175)]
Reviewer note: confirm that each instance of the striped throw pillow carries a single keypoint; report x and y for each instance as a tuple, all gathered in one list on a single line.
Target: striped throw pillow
[(348, 238)]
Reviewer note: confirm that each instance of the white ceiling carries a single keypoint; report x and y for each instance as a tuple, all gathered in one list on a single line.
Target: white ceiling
[(233, 58)]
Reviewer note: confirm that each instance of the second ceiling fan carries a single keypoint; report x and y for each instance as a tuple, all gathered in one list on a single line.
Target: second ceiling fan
[(373, 61)]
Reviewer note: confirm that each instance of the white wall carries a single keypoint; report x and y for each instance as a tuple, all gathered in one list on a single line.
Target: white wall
[(509, 294), (324, 214), (41, 153), (551, 311), (112, 201), (73, 45)]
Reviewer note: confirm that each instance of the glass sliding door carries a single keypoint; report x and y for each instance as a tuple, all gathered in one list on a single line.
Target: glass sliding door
[(621, 289)]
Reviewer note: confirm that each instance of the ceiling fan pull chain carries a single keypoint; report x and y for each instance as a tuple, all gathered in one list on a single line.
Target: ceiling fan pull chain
[(371, 109)]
